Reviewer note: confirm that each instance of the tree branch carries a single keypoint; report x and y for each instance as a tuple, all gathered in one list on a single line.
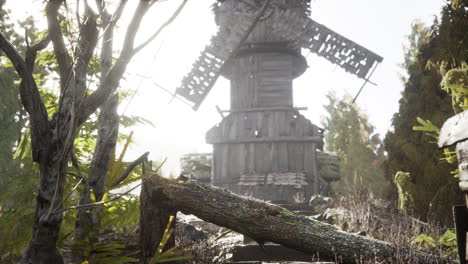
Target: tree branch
[(108, 35), (130, 168), (118, 12), (115, 198), (29, 93), (167, 23), (108, 130), (111, 80), (78, 170), (104, 12), (56, 35), (85, 50)]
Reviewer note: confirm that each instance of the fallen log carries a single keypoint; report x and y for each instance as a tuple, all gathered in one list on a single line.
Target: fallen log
[(262, 222)]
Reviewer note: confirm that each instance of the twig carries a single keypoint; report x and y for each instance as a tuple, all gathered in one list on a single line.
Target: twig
[(130, 168), (172, 94), (118, 12), (75, 163), (77, 13), (26, 37), (162, 27), (78, 170), (110, 81), (112, 199)]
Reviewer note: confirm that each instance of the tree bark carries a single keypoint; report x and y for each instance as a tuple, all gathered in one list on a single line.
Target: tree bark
[(88, 219), (153, 222), (262, 222), (42, 247), (52, 140)]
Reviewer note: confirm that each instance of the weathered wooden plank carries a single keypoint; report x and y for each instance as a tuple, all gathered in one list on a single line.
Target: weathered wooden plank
[(274, 157), (225, 163), (216, 177), (260, 160), (269, 124), (267, 156), (259, 125), (309, 161), (251, 157), (263, 109), (275, 125), (282, 123), (235, 161), (315, 169), (299, 160), (283, 156), (295, 157), (233, 128), (268, 139)]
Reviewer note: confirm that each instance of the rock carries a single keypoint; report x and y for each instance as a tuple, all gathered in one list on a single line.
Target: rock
[(319, 203), (331, 214), (190, 232), (197, 166)]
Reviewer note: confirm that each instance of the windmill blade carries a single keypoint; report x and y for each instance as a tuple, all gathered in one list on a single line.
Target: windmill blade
[(209, 65), (319, 39)]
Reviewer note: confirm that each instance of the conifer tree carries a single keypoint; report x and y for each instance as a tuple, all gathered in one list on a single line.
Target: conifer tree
[(430, 53), (349, 134), (11, 118)]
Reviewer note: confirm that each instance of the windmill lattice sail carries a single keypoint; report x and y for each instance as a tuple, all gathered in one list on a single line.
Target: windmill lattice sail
[(290, 21), (326, 43), (207, 68)]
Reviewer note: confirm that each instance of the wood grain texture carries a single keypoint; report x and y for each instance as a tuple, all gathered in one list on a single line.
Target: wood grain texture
[(267, 222)]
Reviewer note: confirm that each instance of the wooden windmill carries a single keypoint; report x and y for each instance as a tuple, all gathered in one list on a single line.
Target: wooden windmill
[(264, 147)]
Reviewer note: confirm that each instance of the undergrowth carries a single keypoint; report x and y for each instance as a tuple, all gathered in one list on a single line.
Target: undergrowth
[(380, 219)]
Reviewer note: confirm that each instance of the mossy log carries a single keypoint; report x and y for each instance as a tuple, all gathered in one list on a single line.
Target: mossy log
[(262, 222)]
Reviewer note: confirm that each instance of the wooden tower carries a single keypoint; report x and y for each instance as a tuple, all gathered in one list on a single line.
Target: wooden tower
[(265, 147)]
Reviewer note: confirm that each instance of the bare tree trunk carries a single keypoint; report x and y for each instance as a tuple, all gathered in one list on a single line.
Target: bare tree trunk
[(88, 218), (52, 140), (153, 220), (42, 247), (263, 222)]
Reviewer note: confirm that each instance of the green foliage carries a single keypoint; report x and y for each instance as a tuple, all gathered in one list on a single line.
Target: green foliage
[(17, 188), (119, 215), (103, 252), (116, 168), (171, 254), (12, 118), (18, 181), (455, 83), (424, 107), (428, 127), (447, 242), (349, 134), (424, 241)]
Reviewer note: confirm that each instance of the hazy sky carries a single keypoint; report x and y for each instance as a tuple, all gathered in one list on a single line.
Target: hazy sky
[(381, 26)]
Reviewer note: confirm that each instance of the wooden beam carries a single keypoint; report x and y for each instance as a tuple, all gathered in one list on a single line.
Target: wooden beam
[(315, 139), (264, 109)]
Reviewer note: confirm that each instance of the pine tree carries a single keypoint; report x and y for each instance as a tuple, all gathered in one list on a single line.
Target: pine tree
[(444, 46), (349, 134), (11, 116)]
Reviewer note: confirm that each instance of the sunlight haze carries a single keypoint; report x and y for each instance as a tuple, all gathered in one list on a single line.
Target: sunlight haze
[(381, 26)]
